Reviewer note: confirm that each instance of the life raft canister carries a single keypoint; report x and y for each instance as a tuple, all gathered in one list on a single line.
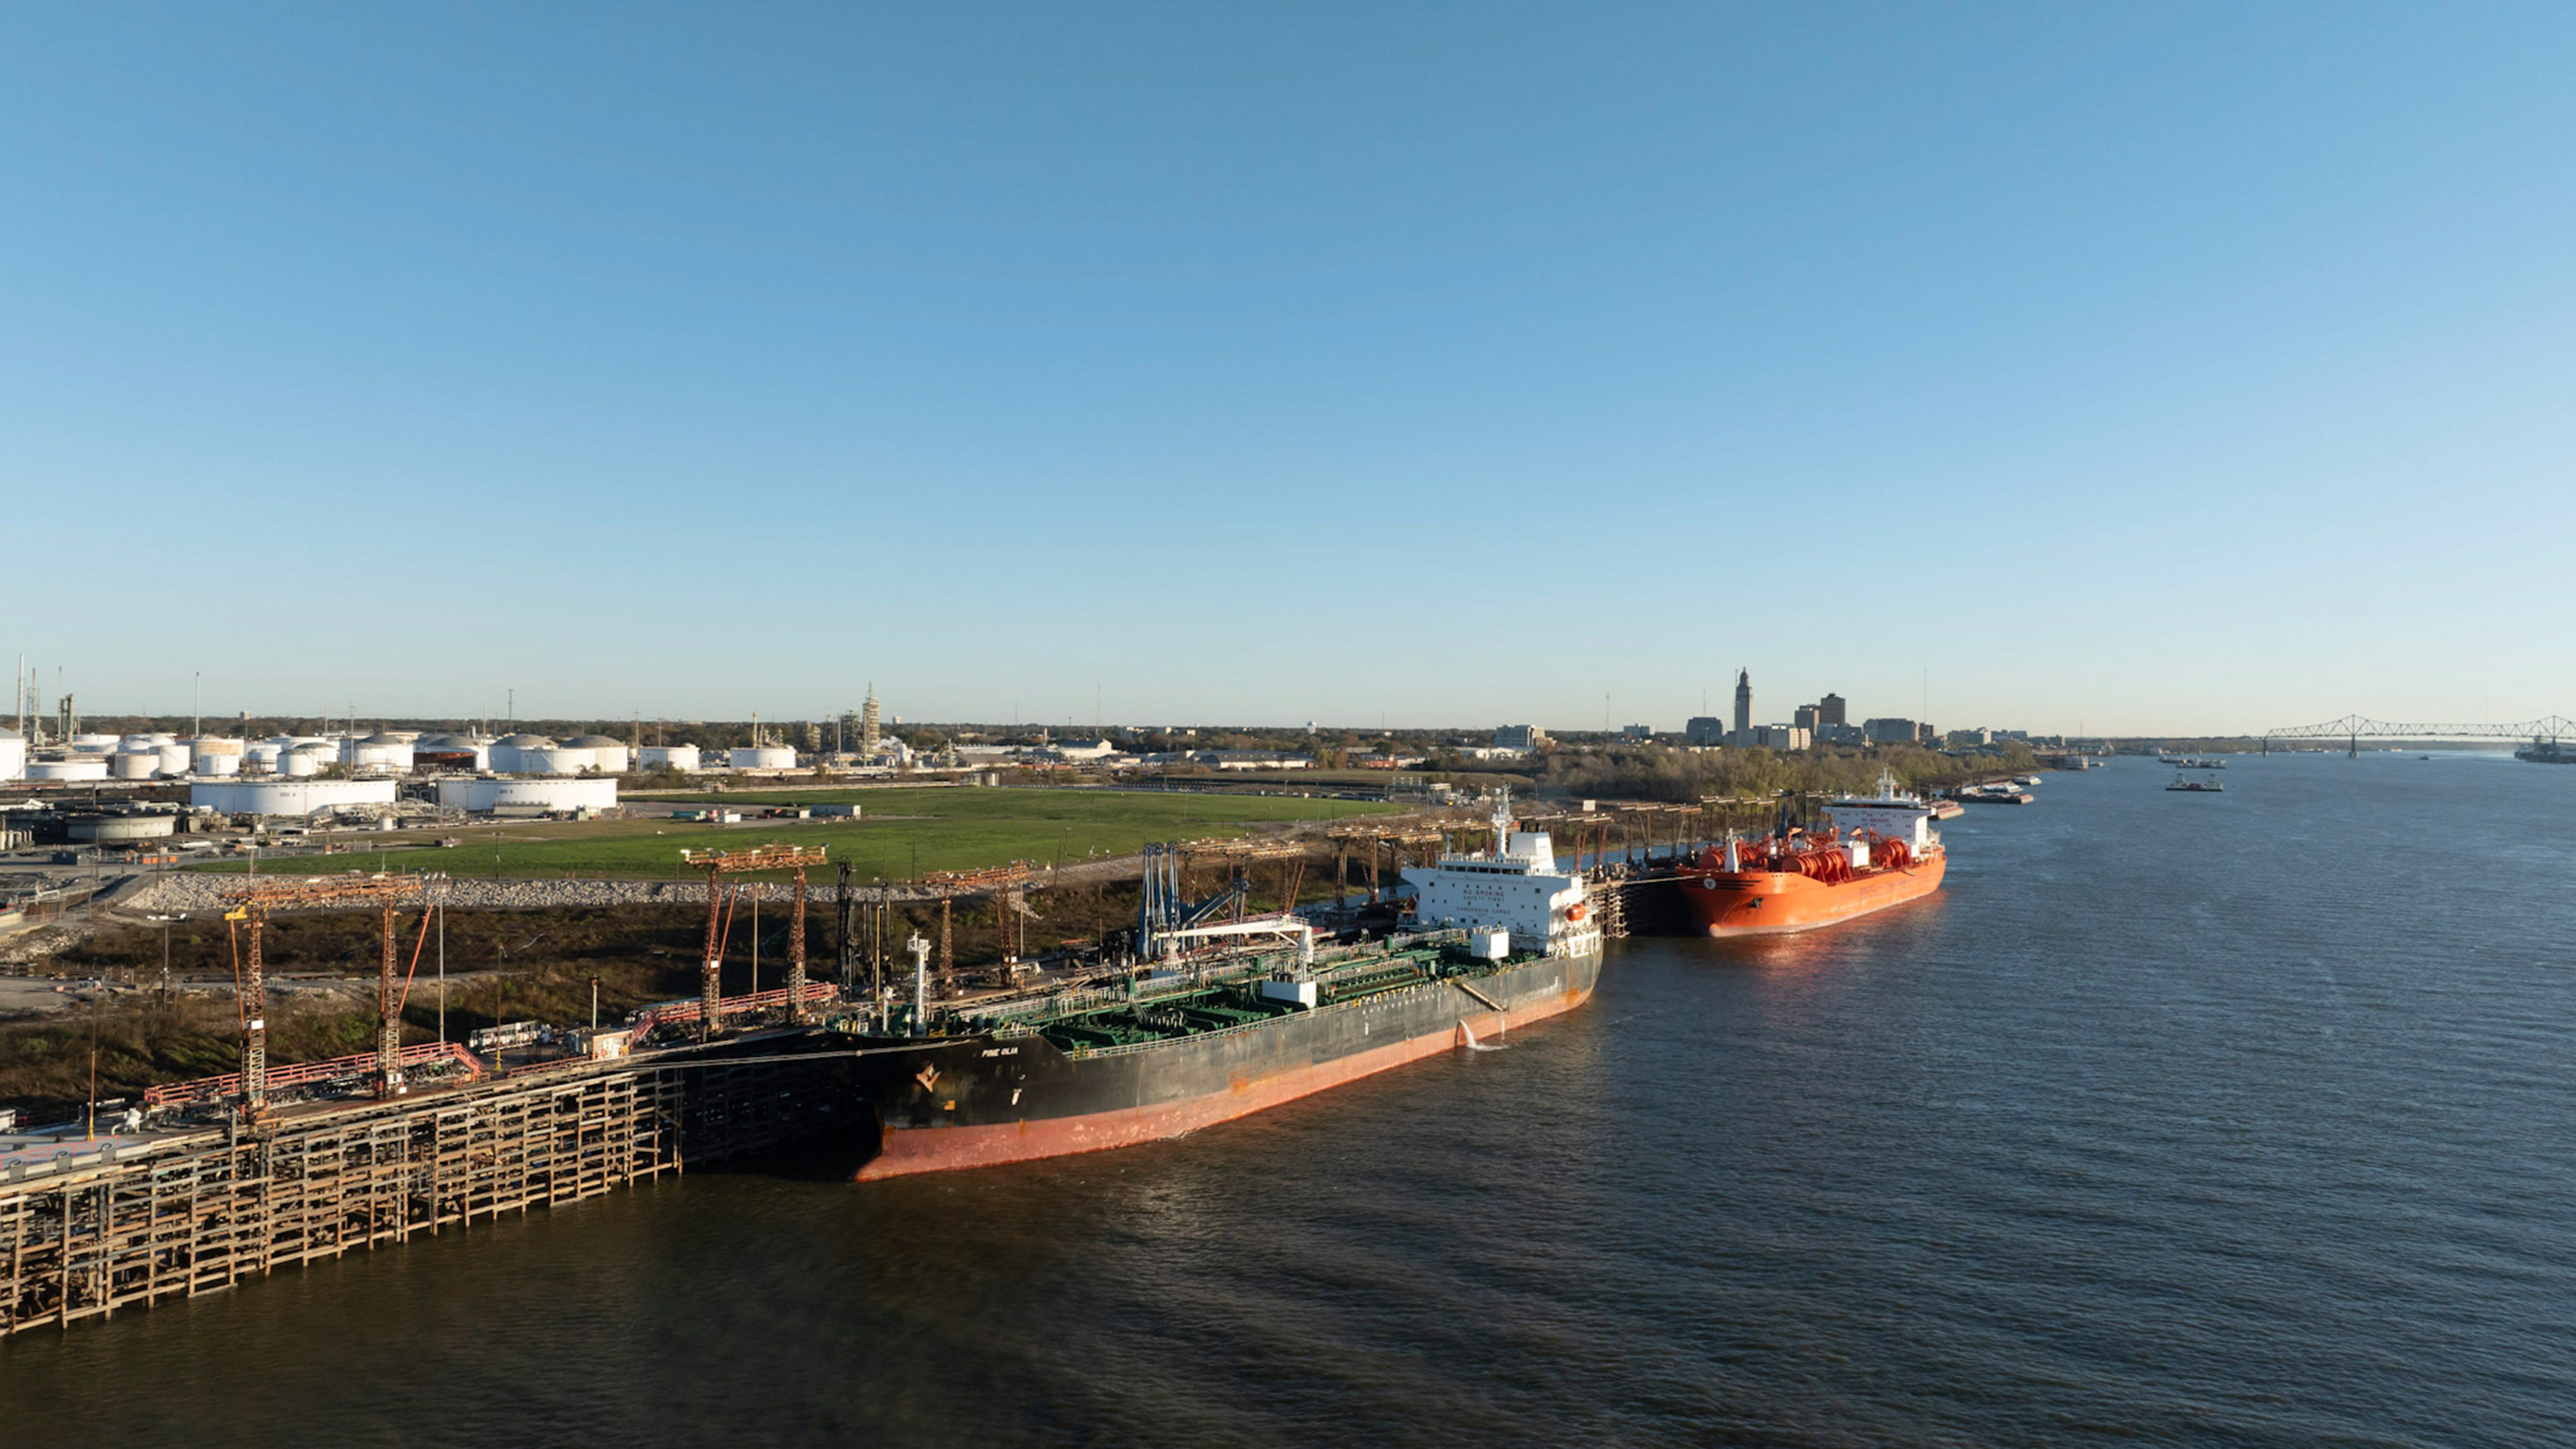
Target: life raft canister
[(1574, 912)]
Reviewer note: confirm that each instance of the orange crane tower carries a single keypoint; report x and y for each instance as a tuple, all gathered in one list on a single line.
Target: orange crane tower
[(1248, 851), (721, 863), (251, 903), (1381, 837), (1003, 882)]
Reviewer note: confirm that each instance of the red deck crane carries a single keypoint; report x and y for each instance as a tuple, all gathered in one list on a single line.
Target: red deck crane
[(252, 903), (721, 863)]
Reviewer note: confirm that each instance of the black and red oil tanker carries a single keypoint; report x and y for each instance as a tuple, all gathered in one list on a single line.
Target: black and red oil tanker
[(1196, 1040)]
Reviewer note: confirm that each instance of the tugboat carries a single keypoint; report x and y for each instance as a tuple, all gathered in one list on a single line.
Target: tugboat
[(1880, 851)]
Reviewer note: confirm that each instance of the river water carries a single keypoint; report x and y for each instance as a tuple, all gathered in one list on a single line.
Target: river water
[(2238, 1119)]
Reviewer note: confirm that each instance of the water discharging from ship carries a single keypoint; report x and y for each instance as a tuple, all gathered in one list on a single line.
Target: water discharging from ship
[(2150, 1126)]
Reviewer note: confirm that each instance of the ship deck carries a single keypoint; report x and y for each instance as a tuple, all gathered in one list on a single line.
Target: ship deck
[(1221, 996)]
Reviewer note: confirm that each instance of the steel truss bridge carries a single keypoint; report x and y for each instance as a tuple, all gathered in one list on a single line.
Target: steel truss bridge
[(2352, 729)]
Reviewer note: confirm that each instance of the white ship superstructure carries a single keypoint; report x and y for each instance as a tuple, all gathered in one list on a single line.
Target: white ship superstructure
[(1517, 888), (1892, 814)]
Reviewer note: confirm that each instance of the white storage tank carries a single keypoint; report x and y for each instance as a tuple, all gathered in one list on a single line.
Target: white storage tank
[(94, 744), (135, 759), (308, 759), (13, 754), (175, 759), (551, 760), (212, 755), (286, 796), (606, 755), (683, 758), (509, 752), (762, 757), (259, 757), (69, 767), (452, 752), (378, 753), (482, 796), (108, 829)]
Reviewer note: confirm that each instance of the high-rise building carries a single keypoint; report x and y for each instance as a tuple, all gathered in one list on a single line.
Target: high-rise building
[(868, 724), (1806, 717), (1705, 729), (1743, 701), (1829, 710)]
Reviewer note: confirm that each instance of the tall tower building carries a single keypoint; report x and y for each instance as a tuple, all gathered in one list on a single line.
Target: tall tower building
[(1743, 702), (868, 724), (1829, 710)]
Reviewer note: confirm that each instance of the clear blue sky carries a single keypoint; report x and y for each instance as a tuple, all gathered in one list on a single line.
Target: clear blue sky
[(2160, 368)]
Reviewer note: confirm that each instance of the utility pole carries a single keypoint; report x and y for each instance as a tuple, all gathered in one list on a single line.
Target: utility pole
[(920, 950), (841, 922)]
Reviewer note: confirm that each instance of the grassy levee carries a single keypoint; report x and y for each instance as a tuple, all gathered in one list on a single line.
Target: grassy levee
[(903, 832)]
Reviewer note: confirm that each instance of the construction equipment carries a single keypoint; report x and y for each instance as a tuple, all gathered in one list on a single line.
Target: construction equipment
[(721, 863), (250, 904)]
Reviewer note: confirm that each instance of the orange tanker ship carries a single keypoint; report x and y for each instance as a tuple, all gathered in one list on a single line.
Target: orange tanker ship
[(1883, 852)]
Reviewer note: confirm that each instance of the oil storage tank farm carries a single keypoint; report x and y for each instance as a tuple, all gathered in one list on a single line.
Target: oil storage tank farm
[(13, 754)]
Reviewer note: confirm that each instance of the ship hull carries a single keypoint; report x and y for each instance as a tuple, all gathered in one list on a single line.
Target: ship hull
[(1776, 903), (983, 1101)]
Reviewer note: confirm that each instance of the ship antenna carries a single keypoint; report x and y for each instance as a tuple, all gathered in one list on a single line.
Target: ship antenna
[(1502, 823)]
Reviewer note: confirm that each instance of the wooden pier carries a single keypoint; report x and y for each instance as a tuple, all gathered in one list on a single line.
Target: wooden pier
[(179, 1215)]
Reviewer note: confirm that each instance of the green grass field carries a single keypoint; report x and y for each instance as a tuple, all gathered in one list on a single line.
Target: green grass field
[(904, 832)]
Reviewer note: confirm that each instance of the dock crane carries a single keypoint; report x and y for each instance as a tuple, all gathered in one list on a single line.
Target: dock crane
[(721, 863), (1004, 883), (250, 904), (1379, 837), (1245, 852)]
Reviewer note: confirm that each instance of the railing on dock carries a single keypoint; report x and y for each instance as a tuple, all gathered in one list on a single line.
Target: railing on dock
[(359, 1067)]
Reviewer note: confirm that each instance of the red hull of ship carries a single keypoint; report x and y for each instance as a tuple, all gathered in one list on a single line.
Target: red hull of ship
[(1771, 903)]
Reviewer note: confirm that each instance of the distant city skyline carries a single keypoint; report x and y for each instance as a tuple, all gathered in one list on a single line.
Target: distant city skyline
[(2186, 371)]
